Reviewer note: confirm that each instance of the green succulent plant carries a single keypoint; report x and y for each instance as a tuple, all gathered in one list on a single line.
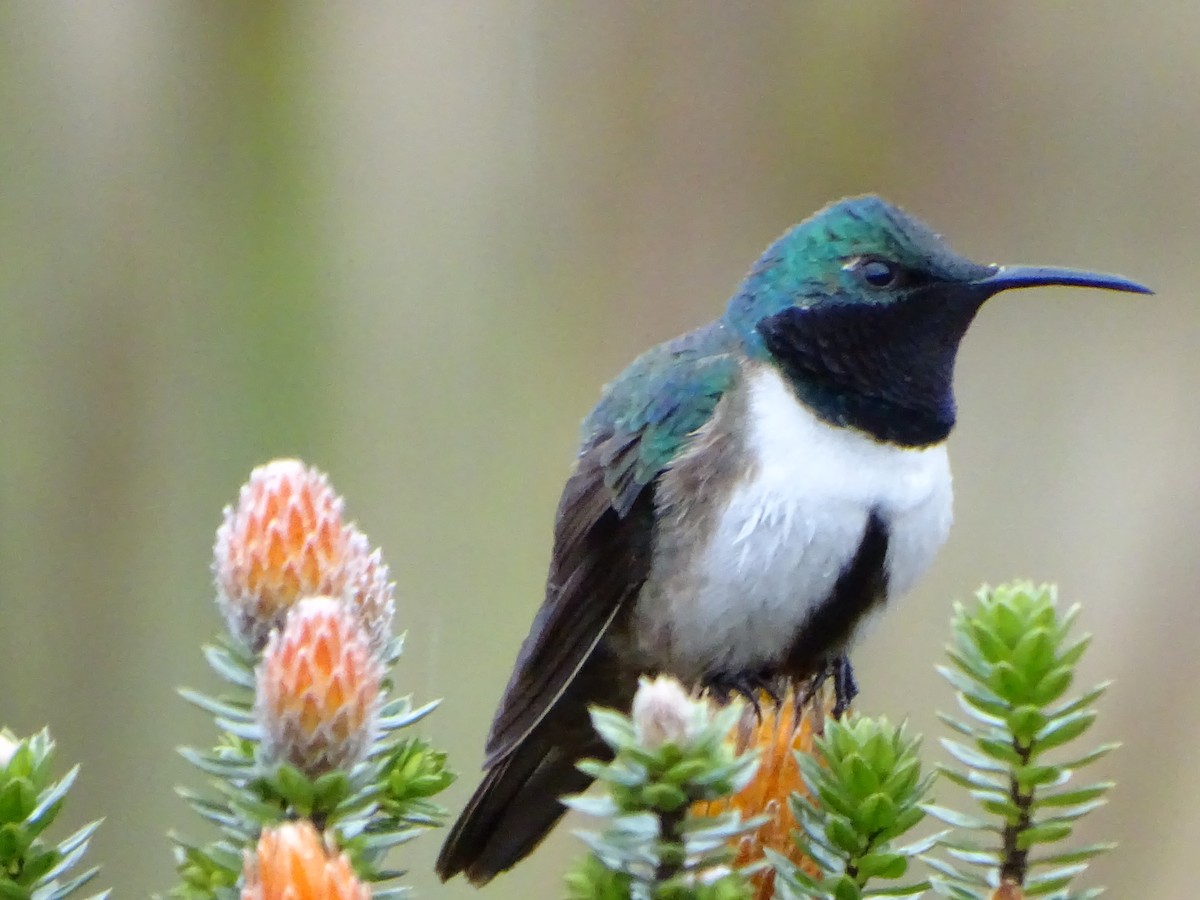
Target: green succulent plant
[(32, 868)]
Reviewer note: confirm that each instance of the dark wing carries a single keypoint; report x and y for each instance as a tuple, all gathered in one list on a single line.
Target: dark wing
[(603, 527), (601, 559)]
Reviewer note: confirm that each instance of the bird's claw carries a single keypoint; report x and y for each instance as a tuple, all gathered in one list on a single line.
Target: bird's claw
[(845, 687), (745, 684)]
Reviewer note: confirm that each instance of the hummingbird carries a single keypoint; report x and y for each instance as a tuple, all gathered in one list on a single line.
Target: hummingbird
[(743, 498)]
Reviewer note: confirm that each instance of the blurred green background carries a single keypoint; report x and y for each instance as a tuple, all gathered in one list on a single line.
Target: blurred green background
[(410, 241)]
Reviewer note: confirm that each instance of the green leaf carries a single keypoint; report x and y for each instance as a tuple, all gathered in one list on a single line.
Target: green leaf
[(879, 750), (881, 865), (233, 669), (217, 766), (1072, 654), (1062, 730), (1075, 797), (860, 778), (975, 856), (685, 770), (876, 813), (662, 796), (1087, 699), (1009, 683), (1052, 685), (906, 890), (923, 845), (1072, 813), (78, 838), (834, 799), (1003, 807), (50, 802), (1082, 854), (957, 819), (844, 888), (331, 789), (230, 709), (977, 705), (967, 877), (37, 863), (843, 836), (1034, 652), (1034, 775), (998, 749), (1067, 619), (1009, 623), (17, 798), (294, 787), (1088, 758), (903, 777), (406, 715), (816, 776), (1045, 882), (1045, 833), (973, 759), (973, 780), (69, 887), (972, 668), (1024, 722), (905, 819), (989, 644), (614, 729)]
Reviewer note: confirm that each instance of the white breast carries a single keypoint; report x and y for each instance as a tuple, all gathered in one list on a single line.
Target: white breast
[(788, 532)]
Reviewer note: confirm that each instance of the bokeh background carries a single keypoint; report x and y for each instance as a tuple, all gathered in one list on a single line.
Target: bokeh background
[(410, 241)]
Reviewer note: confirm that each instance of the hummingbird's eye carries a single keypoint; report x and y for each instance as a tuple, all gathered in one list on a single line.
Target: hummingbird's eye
[(878, 273)]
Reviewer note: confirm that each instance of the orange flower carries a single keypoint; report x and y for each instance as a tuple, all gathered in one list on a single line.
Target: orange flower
[(318, 689), (776, 735), (287, 539), (291, 862)]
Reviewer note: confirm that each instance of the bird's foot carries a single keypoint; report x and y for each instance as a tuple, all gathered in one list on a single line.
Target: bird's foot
[(747, 684), (845, 688)]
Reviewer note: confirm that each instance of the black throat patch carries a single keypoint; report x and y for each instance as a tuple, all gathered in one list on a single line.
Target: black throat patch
[(886, 370)]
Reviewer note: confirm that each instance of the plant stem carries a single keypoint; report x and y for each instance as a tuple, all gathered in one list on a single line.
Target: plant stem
[(1016, 860), (670, 861)]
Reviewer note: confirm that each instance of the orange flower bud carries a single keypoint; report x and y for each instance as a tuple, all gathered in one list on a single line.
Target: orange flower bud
[(292, 862), (285, 539), (776, 735), (318, 689)]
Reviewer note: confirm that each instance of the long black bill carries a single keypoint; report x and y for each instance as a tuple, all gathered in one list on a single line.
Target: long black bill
[(1008, 277)]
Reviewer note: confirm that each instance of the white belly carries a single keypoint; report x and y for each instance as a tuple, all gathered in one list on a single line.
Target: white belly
[(788, 532)]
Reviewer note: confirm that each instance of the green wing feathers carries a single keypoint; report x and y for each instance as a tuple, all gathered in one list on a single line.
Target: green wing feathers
[(646, 416)]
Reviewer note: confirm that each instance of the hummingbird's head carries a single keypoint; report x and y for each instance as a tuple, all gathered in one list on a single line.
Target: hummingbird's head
[(864, 306)]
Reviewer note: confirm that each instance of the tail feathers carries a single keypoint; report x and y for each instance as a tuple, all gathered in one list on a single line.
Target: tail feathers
[(514, 808)]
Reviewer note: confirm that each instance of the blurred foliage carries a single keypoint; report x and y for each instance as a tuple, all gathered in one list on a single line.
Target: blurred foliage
[(31, 868), (864, 792), (671, 753), (1012, 662)]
